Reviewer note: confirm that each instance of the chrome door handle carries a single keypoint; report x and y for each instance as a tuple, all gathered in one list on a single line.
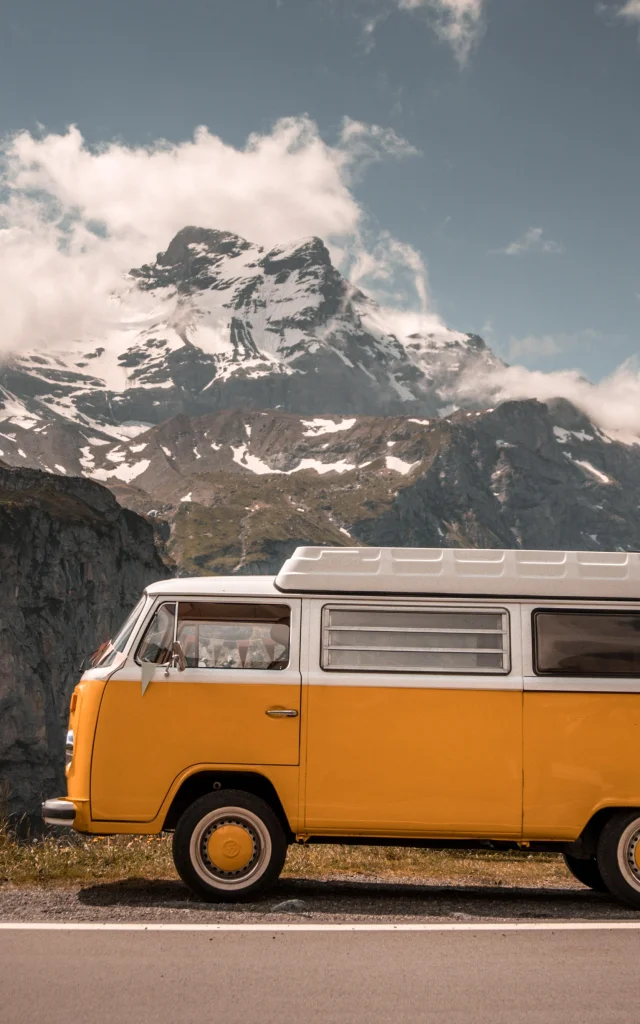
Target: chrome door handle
[(281, 713)]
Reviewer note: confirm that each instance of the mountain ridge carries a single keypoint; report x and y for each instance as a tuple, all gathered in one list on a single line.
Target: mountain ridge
[(236, 491)]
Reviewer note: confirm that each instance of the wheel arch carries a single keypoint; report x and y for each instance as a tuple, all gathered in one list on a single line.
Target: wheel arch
[(585, 846), (209, 780)]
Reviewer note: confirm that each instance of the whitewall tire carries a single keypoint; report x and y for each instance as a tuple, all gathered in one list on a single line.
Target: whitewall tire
[(229, 846)]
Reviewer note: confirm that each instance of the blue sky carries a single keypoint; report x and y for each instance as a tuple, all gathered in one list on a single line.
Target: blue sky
[(523, 197)]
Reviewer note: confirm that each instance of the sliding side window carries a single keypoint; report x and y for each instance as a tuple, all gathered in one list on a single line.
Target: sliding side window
[(585, 643), (411, 640)]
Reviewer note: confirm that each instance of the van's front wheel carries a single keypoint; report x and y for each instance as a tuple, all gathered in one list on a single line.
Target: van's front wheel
[(619, 856), (229, 846)]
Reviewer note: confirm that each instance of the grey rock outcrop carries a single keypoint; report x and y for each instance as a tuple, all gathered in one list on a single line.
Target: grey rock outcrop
[(524, 475), (72, 565)]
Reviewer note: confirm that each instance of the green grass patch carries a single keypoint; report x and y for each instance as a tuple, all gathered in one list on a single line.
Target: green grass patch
[(82, 860)]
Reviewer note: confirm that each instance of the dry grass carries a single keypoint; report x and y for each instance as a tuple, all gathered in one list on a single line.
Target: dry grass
[(77, 860), (49, 860), (441, 867)]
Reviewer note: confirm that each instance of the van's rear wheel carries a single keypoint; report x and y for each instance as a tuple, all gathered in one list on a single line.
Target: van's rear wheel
[(619, 856), (229, 846), (586, 871)]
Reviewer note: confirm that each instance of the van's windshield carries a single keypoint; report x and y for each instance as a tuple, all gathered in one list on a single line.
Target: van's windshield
[(106, 654)]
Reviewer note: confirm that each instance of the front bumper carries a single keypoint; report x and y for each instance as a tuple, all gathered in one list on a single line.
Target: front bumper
[(59, 812)]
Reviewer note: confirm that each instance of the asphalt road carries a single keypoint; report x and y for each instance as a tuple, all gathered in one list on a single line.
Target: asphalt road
[(181, 977)]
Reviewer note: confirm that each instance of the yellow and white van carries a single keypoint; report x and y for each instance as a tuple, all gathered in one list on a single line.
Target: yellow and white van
[(371, 695)]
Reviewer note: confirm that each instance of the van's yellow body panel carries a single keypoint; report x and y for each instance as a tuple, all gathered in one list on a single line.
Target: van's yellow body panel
[(413, 761), (378, 761), (581, 754), (144, 742)]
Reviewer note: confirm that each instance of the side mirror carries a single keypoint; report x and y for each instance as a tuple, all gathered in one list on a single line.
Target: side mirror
[(178, 659)]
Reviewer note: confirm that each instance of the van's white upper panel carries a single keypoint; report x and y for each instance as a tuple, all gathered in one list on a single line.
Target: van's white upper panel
[(561, 574), (212, 586)]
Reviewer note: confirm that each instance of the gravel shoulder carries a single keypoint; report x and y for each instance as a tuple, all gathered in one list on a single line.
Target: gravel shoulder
[(300, 899)]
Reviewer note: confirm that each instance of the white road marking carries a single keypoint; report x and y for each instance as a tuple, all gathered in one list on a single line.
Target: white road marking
[(471, 926)]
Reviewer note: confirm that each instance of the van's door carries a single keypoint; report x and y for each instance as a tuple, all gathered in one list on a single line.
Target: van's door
[(414, 719), (225, 708)]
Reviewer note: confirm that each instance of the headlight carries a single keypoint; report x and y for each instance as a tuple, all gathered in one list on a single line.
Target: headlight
[(68, 750)]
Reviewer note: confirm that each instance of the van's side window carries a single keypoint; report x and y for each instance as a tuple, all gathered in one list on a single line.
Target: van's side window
[(584, 643), (412, 640), (158, 638), (234, 636)]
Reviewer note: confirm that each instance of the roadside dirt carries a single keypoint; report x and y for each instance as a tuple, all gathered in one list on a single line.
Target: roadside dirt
[(348, 900)]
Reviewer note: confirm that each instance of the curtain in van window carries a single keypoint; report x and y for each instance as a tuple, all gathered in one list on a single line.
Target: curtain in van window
[(234, 636)]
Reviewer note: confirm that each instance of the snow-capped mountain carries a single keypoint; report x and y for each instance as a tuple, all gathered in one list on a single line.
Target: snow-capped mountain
[(266, 402), (234, 326)]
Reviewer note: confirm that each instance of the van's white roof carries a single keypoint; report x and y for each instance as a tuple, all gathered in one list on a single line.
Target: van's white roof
[(204, 586), (451, 571), (455, 571)]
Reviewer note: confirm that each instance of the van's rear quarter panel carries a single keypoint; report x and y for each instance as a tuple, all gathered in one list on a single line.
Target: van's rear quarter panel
[(581, 753)]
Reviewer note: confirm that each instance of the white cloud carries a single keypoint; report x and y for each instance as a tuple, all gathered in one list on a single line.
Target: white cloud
[(613, 403), (370, 27), (631, 9), (369, 143), (458, 22), (394, 270), (544, 346), (74, 219), (539, 346), (533, 240)]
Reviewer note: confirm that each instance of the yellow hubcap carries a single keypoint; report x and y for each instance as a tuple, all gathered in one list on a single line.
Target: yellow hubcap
[(637, 856), (230, 848)]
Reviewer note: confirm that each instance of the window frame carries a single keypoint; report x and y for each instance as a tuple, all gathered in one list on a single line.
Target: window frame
[(554, 674), (505, 633), (153, 611), (292, 608)]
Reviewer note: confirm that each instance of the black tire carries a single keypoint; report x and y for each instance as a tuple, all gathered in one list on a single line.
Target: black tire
[(214, 873), (587, 872), (619, 856)]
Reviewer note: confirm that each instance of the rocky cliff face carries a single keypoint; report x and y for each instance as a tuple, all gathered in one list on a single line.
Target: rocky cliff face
[(72, 565)]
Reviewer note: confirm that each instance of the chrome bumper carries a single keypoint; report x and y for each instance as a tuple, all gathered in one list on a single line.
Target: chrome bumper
[(58, 812)]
